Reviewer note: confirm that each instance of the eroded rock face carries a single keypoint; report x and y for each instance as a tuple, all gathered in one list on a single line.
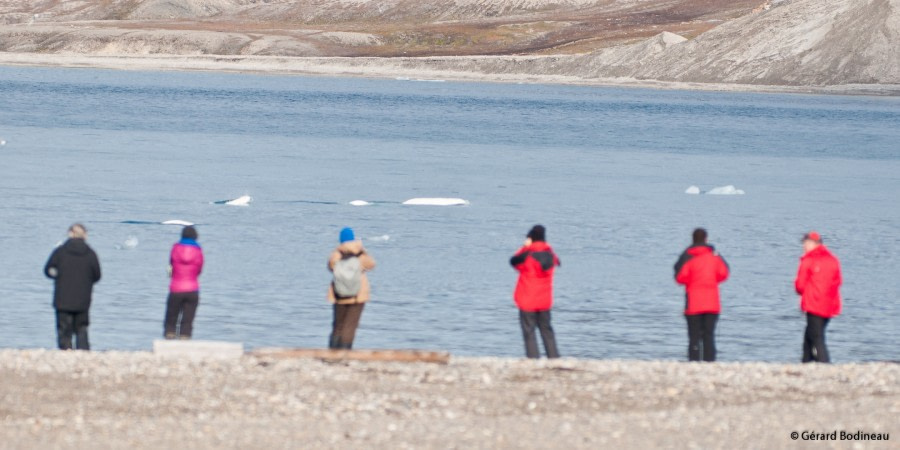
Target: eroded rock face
[(355, 27), (772, 43), (800, 42)]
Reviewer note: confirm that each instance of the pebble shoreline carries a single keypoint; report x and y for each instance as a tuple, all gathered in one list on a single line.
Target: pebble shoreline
[(54, 399)]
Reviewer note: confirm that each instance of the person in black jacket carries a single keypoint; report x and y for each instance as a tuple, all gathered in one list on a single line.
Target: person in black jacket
[(74, 267)]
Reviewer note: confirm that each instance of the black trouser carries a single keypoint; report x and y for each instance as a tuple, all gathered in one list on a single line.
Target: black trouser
[(69, 322), (185, 305), (540, 319), (814, 339), (343, 328), (702, 330)]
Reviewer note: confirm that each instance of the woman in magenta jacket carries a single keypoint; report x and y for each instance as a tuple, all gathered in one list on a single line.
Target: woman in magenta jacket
[(185, 265)]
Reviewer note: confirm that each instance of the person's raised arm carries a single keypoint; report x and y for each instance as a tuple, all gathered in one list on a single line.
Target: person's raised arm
[(722, 269), (522, 254), (681, 273), (333, 259), (366, 261)]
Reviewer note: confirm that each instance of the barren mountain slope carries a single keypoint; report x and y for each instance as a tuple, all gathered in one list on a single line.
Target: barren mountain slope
[(809, 42), (782, 42), (349, 27), (791, 43)]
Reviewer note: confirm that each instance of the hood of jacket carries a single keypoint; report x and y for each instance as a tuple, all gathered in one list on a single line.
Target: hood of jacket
[(821, 250), (700, 249), (76, 246), (539, 246), (186, 251)]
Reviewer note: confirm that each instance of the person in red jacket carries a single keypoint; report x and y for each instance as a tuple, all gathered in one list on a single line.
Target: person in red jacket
[(700, 269), (185, 265), (535, 262), (818, 282)]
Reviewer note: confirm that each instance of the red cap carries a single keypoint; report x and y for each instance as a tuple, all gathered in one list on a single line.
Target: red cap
[(812, 236)]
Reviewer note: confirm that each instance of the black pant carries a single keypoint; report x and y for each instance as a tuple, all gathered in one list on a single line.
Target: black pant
[(814, 339), (185, 305), (541, 320), (69, 322), (343, 328), (702, 330)]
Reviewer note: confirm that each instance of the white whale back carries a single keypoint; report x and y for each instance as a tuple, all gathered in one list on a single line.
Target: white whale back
[(436, 201), (243, 200)]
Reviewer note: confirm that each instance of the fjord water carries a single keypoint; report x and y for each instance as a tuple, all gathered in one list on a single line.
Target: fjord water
[(604, 169)]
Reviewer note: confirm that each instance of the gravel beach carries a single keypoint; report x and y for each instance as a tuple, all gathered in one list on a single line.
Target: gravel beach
[(53, 399)]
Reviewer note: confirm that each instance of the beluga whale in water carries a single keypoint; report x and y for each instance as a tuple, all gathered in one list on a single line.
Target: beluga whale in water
[(436, 201), (243, 200), (183, 223)]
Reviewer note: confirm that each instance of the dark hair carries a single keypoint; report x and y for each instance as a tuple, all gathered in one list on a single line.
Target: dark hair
[(699, 236), (538, 233), (189, 232)]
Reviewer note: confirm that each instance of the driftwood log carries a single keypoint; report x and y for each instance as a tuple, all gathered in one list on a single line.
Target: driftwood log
[(357, 355)]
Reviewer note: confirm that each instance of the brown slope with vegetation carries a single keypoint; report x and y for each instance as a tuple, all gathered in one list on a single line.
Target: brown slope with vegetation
[(349, 27), (850, 44)]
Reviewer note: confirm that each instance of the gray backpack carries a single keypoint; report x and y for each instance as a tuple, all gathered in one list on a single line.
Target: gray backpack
[(347, 276)]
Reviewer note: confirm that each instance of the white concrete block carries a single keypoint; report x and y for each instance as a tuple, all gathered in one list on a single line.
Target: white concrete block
[(198, 349)]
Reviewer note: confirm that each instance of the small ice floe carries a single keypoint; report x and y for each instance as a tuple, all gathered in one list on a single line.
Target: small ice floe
[(382, 238), (2, 142), (693, 190), (360, 203), (130, 243), (725, 190), (436, 201), (402, 78), (183, 223), (425, 80)]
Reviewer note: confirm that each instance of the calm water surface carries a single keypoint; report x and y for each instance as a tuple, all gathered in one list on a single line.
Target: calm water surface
[(604, 169)]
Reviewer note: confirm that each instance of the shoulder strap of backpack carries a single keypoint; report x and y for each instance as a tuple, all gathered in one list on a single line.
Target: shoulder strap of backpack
[(345, 255)]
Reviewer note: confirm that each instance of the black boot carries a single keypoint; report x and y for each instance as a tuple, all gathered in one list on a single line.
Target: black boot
[(334, 342)]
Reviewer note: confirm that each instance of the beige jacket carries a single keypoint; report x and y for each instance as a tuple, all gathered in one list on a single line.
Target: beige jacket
[(365, 261)]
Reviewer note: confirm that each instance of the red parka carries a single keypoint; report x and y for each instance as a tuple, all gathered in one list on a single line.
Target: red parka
[(818, 281), (535, 263), (700, 269)]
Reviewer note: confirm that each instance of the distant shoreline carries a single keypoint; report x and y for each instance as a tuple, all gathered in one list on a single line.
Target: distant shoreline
[(414, 69)]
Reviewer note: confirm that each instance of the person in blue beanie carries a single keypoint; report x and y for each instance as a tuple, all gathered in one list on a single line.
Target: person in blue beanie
[(349, 289)]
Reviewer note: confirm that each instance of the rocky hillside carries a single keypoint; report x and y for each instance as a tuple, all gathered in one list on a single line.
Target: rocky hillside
[(349, 27), (784, 43), (775, 43), (796, 42)]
